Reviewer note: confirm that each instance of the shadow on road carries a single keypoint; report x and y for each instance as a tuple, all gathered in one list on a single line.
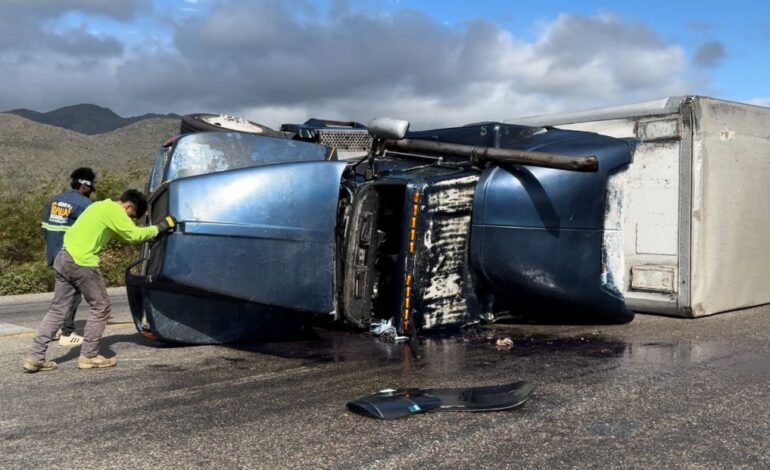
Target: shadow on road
[(108, 341)]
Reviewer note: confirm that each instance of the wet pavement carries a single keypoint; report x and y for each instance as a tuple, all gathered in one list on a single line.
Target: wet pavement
[(659, 392)]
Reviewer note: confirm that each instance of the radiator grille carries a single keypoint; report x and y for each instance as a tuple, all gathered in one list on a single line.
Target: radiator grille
[(345, 140), (157, 250)]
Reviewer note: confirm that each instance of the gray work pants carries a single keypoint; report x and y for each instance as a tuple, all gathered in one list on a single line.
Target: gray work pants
[(69, 319), (69, 279)]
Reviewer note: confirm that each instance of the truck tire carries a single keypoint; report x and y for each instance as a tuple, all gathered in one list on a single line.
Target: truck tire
[(203, 122)]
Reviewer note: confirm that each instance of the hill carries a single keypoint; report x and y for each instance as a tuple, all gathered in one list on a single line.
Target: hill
[(86, 119), (35, 163), (31, 152)]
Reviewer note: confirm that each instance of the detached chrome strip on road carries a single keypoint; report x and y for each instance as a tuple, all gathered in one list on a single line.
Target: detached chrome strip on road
[(8, 329)]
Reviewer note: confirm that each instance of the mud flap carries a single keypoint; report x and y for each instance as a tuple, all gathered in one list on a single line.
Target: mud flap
[(392, 404)]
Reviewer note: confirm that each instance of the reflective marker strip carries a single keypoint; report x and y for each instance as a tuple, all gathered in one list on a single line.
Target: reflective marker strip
[(408, 281), (8, 329), (54, 228)]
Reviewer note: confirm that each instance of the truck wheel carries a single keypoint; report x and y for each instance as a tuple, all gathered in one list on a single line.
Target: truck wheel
[(202, 122)]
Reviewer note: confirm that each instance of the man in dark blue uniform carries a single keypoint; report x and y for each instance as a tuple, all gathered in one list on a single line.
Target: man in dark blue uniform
[(60, 213)]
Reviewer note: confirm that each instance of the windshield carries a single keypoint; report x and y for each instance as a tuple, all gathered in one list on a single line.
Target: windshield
[(156, 174), (209, 152)]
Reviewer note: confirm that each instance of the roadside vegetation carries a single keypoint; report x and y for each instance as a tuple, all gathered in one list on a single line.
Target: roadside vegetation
[(35, 163), (22, 260)]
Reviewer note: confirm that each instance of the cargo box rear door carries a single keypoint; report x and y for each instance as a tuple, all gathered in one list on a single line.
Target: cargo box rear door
[(264, 235)]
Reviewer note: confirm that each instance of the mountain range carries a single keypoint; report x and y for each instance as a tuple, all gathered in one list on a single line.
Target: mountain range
[(88, 119), (32, 153)]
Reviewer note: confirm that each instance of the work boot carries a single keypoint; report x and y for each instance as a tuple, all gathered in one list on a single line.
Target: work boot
[(33, 365), (96, 362), (70, 341)]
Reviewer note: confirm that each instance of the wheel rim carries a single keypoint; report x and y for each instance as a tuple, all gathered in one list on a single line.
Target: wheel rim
[(231, 122)]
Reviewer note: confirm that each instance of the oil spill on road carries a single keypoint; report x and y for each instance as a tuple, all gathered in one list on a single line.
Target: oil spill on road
[(460, 351)]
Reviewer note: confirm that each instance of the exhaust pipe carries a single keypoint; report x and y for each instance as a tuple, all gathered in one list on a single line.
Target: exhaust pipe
[(478, 155)]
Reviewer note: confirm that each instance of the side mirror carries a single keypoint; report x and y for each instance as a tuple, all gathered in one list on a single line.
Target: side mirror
[(388, 128)]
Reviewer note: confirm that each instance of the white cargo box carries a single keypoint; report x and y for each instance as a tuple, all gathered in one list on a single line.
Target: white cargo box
[(687, 227)]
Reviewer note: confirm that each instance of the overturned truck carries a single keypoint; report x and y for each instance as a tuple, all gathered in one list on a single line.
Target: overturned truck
[(429, 229)]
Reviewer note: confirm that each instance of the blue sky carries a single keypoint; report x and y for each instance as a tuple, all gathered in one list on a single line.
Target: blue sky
[(741, 27), (433, 62)]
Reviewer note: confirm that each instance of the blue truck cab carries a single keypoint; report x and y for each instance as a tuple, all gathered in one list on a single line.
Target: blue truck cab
[(276, 230)]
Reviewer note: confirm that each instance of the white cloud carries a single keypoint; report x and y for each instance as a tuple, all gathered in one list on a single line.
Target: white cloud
[(272, 64), (760, 101)]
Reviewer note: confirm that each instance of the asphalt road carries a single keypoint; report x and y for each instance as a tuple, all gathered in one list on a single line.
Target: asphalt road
[(656, 393)]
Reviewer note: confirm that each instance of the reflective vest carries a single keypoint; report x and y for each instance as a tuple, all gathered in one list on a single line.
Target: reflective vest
[(58, 216)]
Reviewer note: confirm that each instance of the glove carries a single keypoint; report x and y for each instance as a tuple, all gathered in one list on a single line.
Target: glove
[(167, 224)]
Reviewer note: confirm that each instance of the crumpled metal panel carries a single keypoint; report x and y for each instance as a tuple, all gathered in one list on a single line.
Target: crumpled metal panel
[(537, 233)]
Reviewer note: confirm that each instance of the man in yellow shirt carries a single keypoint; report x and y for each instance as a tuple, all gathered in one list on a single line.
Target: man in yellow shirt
[(77, 267)]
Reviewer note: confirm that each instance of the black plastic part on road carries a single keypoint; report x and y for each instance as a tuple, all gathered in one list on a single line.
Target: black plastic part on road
[(489, 398), (392, 404)]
